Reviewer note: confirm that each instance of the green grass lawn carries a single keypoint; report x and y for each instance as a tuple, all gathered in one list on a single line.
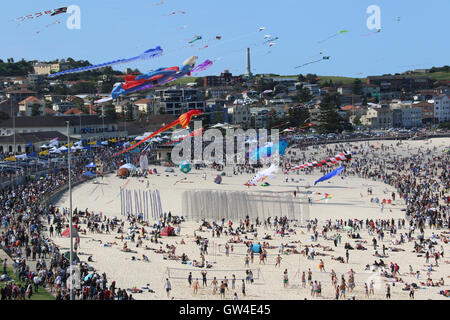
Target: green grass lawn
[(41, 295)]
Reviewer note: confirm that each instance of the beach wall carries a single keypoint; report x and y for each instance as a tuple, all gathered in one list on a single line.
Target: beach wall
[(236, 205)]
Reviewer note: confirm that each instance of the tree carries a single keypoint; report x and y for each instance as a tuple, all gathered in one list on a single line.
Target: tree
[(199, 82), (111, 112), (304, 95), (35, 110), (297, 116), (61, 90), (330, 120), (357, 86), (83, 87)]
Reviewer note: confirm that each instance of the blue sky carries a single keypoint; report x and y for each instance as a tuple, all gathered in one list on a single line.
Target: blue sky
[(113, 29)]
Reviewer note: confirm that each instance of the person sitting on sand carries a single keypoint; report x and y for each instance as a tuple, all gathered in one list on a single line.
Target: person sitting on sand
[(145, 258), (125, 247), (182, 241)]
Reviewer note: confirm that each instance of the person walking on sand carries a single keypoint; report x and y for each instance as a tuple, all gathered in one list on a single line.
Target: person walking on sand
[(322, 266), (196, 286), (190, 279), (278, 261), (411, 292), (243, 288), (246, 261), (168, 287), (388, 291)]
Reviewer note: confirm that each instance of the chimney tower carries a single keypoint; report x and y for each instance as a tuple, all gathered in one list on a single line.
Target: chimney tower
[(249, 70)]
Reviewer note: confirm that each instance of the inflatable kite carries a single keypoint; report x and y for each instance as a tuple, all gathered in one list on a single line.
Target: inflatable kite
[(185, 167), (218, 179), (330, 175), (268, 150), (153, 79), (149, 54), (344, 156), (184, 120), (202, 66), (263, 174)]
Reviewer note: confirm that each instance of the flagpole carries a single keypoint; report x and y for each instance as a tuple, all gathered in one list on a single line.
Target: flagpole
[(70, 214)]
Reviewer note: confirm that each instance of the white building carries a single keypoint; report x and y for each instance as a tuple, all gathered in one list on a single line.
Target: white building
[(442, 108), (411, 117), (239, 114)]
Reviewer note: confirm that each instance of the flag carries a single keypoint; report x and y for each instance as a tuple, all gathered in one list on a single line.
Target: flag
[(43, 153), (13, 158), (92, 142), (29, 145), (330, 175)]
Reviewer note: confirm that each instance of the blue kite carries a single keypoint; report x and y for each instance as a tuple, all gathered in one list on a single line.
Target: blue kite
[(149, 54), (330, 175), (268, 150)]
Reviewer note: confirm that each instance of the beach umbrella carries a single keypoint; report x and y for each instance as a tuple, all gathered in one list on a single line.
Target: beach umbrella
[(348, 228), (89, 174), (128, 166)]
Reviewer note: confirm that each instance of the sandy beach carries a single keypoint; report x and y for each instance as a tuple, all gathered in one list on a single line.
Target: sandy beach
[(350, 200)]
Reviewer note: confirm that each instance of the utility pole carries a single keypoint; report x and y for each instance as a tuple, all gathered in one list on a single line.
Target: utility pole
[(72, 296)]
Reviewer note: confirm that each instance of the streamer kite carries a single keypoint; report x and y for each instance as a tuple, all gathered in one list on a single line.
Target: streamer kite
[(371, 33), (334, 35), (202, 66), (184, 120), (305, 64), (344, 156), (195, 133), (52, 12), (196, 38), (149, 54)]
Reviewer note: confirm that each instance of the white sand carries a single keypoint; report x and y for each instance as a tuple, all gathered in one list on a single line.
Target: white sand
[(346, 203)]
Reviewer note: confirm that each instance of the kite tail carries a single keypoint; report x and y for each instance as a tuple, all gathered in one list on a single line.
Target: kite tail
[(173, 124)]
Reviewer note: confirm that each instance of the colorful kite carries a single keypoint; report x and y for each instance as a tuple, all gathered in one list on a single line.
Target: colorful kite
[(268, 150), (153, 79), (271, 39), (219, 37), (305, 64), (261, 29), (53, 12), (149, 54), (326, 197), (184, 120), (334, 35), (202, 66), (196, 38), (344, 156), (176, 12), (330, 175), (263, 174)]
